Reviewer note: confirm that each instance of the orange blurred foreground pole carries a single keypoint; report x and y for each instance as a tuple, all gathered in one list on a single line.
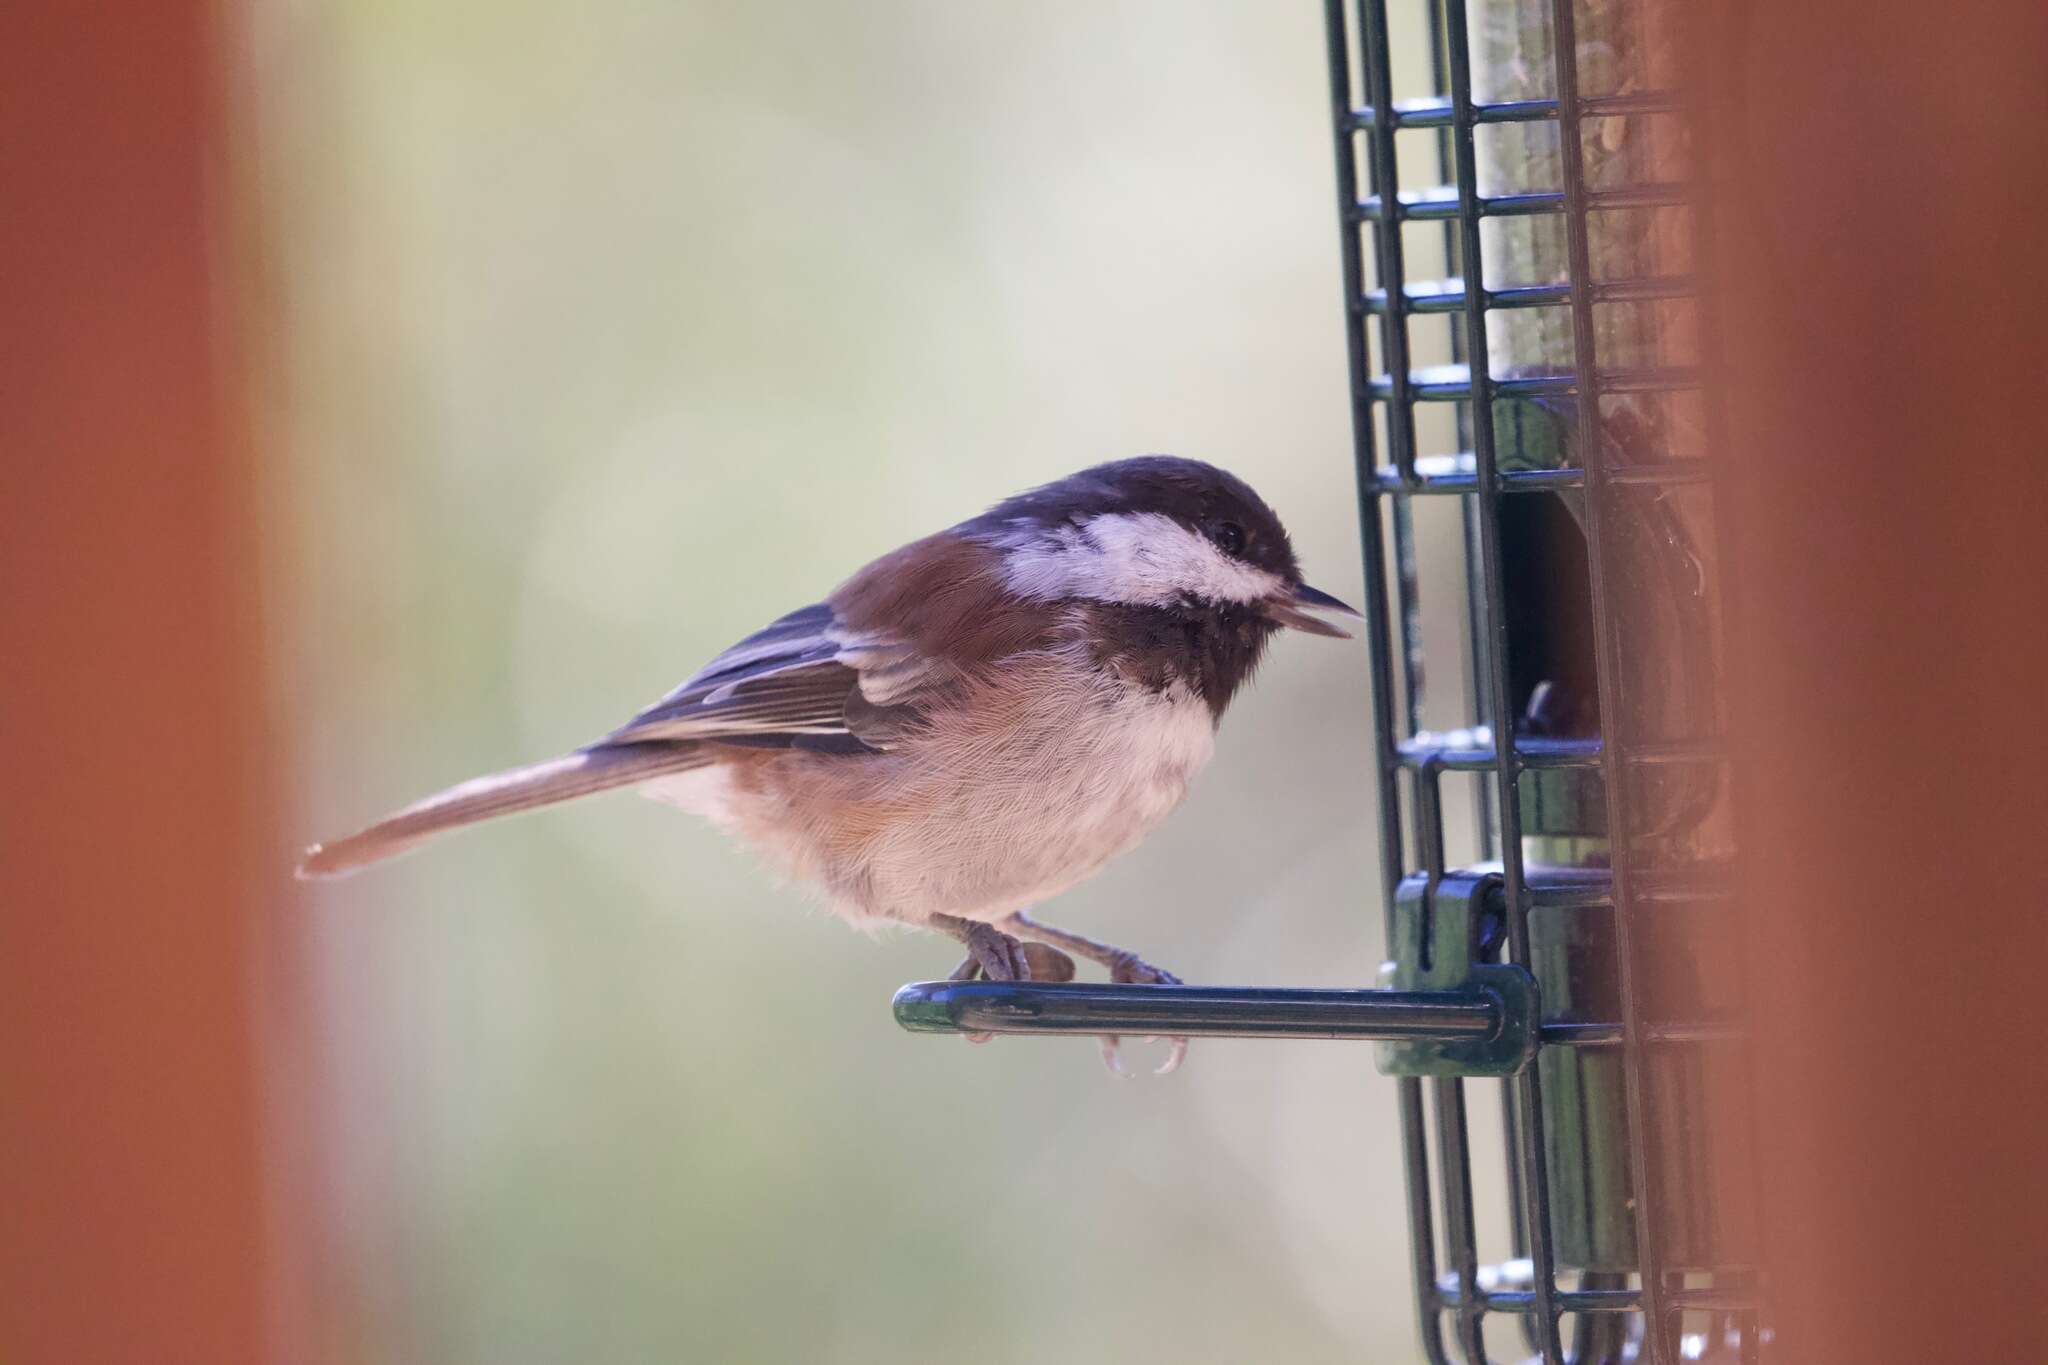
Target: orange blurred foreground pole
[(131, 776), (1883, 178)]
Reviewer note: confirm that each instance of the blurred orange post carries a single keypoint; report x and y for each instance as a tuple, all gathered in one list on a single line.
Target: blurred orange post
[(1883, 181), (133, 800)]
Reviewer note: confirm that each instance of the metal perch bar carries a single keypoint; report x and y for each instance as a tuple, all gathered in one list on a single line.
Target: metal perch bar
[(1477, 1014)]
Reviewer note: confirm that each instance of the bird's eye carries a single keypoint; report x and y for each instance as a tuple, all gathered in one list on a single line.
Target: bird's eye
[(1229, 537)]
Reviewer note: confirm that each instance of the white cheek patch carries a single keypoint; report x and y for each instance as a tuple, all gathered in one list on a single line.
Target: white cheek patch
[(1140, 558)]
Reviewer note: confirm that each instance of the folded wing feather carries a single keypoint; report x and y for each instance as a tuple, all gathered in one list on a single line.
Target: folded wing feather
[(807, 675)]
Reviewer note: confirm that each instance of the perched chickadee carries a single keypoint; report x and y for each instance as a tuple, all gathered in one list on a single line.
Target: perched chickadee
[(968, 725)]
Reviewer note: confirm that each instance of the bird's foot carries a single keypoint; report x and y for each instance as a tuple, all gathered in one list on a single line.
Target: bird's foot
[(1042, 962), (1129, 969), (993, 955)]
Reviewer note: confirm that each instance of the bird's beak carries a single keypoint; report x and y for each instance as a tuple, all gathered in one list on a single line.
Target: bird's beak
[(1293, 608)]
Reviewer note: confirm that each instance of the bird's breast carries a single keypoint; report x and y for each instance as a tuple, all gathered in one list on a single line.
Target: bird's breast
[(1035, 790)]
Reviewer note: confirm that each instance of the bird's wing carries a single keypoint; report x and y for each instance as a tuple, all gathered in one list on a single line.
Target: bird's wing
[(856, 672), (811, 680)]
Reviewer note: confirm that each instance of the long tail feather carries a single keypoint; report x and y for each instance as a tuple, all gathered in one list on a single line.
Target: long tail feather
[(582, 773)]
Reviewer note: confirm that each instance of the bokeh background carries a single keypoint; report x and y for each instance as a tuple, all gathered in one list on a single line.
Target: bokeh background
[(589, 338), (547, 319)]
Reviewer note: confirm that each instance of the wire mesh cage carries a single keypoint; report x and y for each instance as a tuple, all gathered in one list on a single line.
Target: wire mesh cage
[(1518, 239)]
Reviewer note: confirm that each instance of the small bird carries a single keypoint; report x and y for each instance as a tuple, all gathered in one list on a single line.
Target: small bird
[(967, 726)]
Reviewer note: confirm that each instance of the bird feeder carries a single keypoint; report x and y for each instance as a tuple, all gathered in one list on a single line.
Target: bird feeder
[(1523, 344)]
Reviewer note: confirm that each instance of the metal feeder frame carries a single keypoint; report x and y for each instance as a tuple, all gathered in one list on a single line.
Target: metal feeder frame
[(1531, 964)]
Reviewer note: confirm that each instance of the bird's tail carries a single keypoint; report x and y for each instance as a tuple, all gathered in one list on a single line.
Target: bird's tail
[(598, 768)]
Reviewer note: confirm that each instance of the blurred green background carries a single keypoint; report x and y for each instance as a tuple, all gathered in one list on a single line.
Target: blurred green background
[(598, 335)]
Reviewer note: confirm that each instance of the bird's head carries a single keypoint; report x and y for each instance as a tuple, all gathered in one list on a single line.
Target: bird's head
[(1157, 532)]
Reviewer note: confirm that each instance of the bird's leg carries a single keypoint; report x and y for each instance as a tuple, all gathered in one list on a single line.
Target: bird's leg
[(1124, 966), (990, 952)]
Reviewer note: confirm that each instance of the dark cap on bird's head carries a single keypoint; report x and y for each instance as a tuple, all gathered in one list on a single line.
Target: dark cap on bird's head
[(1212, 502), (1155, 531)]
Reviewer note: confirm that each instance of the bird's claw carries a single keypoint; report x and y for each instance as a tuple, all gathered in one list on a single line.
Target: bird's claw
[(1110, 1043), (1176, 1053), (1129, 969)]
